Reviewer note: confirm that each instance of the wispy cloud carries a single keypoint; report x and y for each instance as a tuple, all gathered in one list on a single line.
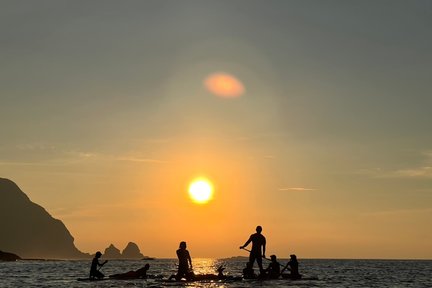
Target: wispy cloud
[(142, 160), (297, 189), (419, 171)]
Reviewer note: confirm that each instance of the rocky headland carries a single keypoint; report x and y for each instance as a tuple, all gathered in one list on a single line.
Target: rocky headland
[(28, 230)]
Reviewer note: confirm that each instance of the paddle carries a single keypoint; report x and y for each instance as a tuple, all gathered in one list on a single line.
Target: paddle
[(106, 261), (262, 256)]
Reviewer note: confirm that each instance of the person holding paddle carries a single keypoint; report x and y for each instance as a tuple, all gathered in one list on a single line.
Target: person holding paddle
[(94, 271), (258, 248)]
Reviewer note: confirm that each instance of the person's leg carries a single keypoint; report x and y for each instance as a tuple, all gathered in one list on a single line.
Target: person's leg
[(251, 259), (259, 261)]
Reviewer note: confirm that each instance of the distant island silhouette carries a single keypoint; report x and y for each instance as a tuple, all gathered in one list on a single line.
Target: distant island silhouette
[(131, 251), (29, 231), (6, 256)]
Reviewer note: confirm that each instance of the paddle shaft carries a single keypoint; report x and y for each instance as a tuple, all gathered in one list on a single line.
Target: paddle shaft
[(264, 257)]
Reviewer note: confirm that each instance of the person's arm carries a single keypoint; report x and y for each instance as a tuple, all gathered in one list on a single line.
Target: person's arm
[(190, 259), (264, 247), (246, 243)]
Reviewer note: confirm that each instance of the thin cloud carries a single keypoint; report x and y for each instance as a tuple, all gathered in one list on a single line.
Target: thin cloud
[(296, 189), (142, 160), (423, 171)]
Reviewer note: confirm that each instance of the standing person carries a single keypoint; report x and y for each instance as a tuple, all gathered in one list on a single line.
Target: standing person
[(258, 240), (94, 272), (184, 269)]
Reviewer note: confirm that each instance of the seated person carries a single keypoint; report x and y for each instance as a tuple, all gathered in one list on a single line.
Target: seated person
[(273, 270), (140, 273), (292, 266), (248, 272), (94, 271)]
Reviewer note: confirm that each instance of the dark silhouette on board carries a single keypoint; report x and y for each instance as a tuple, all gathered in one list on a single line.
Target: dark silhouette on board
[(6, 256), (94, 270), (29, 230), (293, 267), (137, 274), (258, 248), (185, 264), (273, 270), (248, 271)]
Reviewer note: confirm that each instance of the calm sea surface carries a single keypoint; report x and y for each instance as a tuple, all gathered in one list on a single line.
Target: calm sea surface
[(318, 273)]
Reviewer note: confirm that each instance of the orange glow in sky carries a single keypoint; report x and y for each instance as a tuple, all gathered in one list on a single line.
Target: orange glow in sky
[(224, 85)]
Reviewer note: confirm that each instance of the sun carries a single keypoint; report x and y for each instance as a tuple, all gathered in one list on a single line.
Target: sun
[(201, 191)]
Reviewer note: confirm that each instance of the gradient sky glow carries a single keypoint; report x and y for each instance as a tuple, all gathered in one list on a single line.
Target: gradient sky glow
[(105, 119)]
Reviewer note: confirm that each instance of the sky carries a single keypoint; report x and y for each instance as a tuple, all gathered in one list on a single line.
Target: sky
[(107, 115)]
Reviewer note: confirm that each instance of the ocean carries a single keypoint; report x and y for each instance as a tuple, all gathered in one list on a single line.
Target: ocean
[(317, 273)]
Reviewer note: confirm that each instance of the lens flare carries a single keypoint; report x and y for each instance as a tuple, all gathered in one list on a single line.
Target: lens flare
[(224, 85)]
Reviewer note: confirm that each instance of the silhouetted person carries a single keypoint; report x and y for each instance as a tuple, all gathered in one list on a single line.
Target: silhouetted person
[(292, 266), (140, 273), (94, 272), (184, 270), (256, 253), (220, 272), (248, 272), (273, 270)]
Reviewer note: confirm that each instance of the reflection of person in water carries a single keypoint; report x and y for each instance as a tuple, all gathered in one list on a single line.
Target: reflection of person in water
[(273, 270), (256, 253), (94, 272), (292, 266), (140, 273)]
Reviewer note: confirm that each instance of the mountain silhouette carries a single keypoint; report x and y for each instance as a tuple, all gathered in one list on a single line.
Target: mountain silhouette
[(132, 251), (112, 253), (29, 230), (5, 256)]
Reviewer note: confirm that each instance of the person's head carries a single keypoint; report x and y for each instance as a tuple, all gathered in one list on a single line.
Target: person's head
[(182, 245), (293, 257), (147, 266), (273, 257), (98, 254), (258, 229)]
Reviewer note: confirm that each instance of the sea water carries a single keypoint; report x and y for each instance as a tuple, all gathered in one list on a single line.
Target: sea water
[(317, 273)]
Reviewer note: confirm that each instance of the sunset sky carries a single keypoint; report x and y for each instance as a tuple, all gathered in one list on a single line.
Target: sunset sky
[(310, 118)]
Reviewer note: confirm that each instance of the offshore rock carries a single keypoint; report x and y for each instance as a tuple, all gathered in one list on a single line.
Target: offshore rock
[(112, 253), (132, 252)]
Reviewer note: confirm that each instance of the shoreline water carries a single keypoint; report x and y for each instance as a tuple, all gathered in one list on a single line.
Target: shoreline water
[(321, 273)]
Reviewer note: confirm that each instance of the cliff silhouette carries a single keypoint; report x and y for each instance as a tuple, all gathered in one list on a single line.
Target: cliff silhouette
[(29, 230), (5, 256)]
